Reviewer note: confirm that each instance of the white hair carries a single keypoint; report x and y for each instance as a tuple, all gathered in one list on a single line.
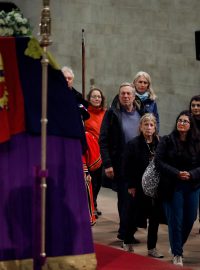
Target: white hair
[(68, 69)]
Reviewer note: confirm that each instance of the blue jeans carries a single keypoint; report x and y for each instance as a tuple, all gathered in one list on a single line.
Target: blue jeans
[(181, 213)]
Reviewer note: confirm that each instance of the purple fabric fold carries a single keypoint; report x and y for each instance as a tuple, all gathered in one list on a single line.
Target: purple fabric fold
[(68, 230)]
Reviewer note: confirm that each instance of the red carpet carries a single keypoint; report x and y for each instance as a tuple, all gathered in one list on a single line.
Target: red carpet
[(109, 258)]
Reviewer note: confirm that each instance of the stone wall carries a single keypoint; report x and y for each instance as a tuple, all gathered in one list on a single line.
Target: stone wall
[(123, 37)]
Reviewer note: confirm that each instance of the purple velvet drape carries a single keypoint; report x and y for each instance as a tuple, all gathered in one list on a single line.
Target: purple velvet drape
[(68, 230)]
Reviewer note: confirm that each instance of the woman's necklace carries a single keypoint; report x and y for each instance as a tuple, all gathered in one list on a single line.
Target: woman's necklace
[(151, 148)]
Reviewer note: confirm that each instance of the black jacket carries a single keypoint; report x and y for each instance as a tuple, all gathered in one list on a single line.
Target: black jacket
[(112, 140), (172, 158), (136, 159)]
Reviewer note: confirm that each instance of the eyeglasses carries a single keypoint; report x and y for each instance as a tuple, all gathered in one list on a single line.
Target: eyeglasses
[(183, 121), (94, 97)]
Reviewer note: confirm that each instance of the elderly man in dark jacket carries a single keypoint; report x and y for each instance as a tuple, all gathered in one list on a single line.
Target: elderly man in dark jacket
[(120, 124)]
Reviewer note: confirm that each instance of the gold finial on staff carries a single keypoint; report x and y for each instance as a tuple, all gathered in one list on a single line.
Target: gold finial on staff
[(45, 25)]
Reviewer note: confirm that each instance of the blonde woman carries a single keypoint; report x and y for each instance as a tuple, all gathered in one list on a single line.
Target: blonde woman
[(145, 94)]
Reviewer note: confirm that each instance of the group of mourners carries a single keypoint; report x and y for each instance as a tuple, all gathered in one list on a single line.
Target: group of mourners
[(126, 139)]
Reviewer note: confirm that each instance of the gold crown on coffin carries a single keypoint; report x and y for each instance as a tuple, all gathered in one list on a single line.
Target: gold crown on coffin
[(4, 97)]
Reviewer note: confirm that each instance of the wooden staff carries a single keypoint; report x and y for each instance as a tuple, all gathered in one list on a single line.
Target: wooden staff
[(83, 63)]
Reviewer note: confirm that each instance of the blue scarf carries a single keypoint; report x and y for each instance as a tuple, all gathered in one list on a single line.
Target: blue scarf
[(144, 96)]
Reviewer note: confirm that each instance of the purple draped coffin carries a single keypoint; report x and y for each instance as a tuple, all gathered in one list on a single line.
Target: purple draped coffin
[(69, 243), (68, 229)]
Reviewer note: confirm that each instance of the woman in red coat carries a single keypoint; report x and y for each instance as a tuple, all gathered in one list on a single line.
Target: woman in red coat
[(96, 110)]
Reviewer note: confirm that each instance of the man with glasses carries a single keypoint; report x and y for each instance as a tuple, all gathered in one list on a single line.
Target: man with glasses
[(120, 124)]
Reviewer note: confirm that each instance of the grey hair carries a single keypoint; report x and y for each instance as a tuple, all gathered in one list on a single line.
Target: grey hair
[(68, 69), (148, 117), (127, 84)]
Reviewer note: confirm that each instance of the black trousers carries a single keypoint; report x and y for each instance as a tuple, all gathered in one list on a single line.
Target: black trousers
[(137, 216), (122, 199), (199, 209), (96, 183)]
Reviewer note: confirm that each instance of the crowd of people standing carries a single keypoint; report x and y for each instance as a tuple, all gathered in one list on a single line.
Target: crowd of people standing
[(127, 135)]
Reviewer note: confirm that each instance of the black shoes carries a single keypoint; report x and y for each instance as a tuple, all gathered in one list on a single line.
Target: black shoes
[(120, 237), (135, 240), (97, 213)]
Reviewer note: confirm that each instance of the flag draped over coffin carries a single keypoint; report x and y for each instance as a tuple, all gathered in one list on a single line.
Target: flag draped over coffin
[(23, 81), (68, 233)]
